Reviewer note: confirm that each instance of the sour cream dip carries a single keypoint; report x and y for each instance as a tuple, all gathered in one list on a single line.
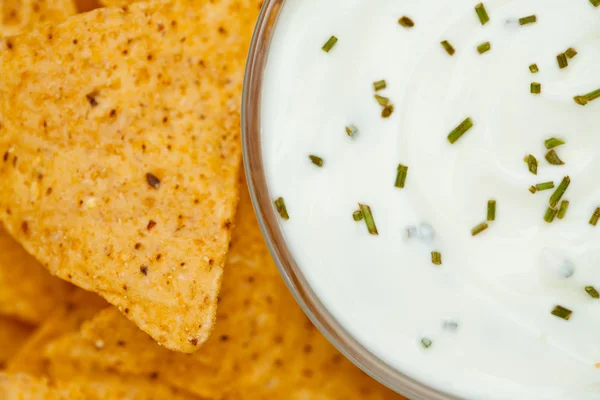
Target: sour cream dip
[(498, 306)]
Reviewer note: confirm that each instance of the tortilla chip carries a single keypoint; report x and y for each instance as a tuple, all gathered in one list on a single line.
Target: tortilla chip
[(12, 336), (263, 345), (25, 387), (17, 16), (120, 154), (67, 318)]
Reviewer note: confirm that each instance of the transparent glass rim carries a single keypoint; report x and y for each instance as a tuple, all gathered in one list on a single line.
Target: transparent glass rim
[(262, 201)]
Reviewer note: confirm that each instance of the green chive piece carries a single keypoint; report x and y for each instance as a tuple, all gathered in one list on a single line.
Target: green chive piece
[(387, 111), (544, 186), (484, 47), (448, 47), (595, 3), (479, 228), (383, 101), (532, 164), (401, 176), (595, 217), (562, 211), (482, 13), (560, 191), (534, 68), (536, 88), (369, 220), (406, 22), (550, 215), (329, 44), (553, 158), (427, 342), (582, 100), (436, 258), (357, 215), (351, 130), (491, 210), (379, 85), (460, 130), (562, 60), (528, 20), (318, 161), (570, 53), (532, 189), (562, 312), (590, 289), (281, 208), (553, 142)]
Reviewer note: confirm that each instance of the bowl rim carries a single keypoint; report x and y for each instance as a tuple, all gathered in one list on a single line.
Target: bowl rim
[(269, 224)]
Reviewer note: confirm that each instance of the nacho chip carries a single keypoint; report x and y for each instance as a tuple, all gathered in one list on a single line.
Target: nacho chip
[(263, 345), (12, 336), (18, 16), (25, 387), (27, 291), (120, 154), (66, 318)]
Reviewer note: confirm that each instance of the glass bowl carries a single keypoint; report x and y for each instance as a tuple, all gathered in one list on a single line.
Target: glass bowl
[(262, 200)]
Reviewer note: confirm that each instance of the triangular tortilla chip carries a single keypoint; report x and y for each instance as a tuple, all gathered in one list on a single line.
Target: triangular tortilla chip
[(18, 16), (263, 346), (120, 155), (27, 291), (13, 334), (25, 387)]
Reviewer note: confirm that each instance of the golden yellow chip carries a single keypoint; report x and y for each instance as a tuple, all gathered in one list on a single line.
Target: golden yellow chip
[(120, 156), (18, 16), (263, 346), (13, 334), (25, 387), (27, 291)]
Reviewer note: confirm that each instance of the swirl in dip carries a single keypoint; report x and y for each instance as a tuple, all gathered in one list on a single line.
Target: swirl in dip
[(507, 312)]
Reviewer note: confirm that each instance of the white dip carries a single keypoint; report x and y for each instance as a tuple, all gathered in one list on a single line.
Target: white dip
[(498, 288)]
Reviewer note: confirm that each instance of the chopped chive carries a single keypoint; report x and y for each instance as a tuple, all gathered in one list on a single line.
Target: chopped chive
[(281, 208), (595, 217), (595, 3), (401, 176), (532, 189), (426, 343), (351, 130), (553, 142), (560, 191), (482, 13), (571, 52), (369, 220), (448, 47), (329, 44), (357, 215), (387, 111), (562, 312), (436, 258), (591, 290), (528, 20), (383, 101), (484, 47), (562, 60), (544, 186), (586, 98), (534, 68), (491, 210), (379, 85), (318, 161), (553, 158), (581, 100), (479, 228), (406, 22), (532, 163), (550, 215), (536, 88), (460, 130), (562, 211)]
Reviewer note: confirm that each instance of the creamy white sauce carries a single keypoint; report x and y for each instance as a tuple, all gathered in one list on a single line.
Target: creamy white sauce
[(498, 287)]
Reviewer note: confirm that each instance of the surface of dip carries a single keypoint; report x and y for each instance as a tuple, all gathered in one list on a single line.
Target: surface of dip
[(484, 323)]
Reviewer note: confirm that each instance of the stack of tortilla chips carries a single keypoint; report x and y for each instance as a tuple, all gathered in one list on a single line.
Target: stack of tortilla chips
[(123, 218)]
